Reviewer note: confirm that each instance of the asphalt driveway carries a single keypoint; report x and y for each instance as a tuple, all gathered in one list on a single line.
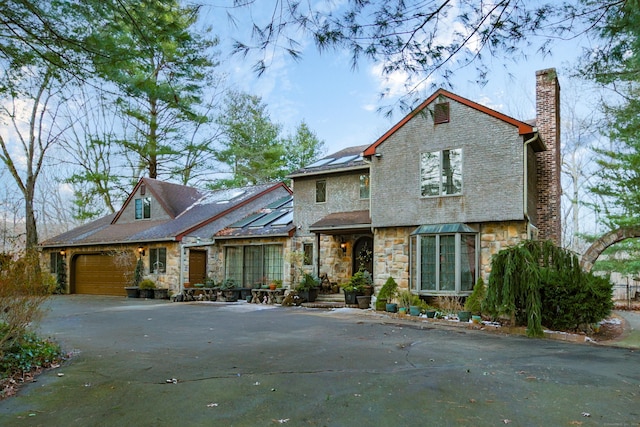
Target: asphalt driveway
[(151, 363)]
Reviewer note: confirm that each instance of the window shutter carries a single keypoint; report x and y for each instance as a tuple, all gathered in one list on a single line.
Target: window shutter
[(441, 113)]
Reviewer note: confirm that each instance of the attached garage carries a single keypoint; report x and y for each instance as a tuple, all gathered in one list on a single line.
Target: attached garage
[(101, 274)]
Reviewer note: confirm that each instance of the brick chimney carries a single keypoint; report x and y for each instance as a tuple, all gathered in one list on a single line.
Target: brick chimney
[(548, 162)]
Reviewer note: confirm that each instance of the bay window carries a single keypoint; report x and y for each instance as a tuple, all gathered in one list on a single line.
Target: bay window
[(444, 259)]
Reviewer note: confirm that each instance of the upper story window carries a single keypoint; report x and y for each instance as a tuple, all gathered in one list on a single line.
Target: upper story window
[(441, 172), (364, 186), (143, 208), (321, 191)]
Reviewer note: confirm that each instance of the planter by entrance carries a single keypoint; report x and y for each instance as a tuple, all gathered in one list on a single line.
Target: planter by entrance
[(363, 301), (309, 296), (414, 310), (431, 314), (146, 293), (132, 291), (161, 293), (350, 297)]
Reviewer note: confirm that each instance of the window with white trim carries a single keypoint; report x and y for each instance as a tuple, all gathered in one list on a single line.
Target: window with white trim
[(143, 208), (441, 173)]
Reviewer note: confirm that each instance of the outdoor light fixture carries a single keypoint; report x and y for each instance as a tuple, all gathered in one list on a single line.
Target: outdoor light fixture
[(63, 253), (343, 246), (141, 251)]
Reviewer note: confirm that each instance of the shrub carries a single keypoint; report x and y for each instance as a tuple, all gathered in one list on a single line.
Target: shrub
[(147, 284), (388, 293), (407, 299), (23, 289), (572, 304), (308, 282), (533, 277), (26, 353), (474, 301)]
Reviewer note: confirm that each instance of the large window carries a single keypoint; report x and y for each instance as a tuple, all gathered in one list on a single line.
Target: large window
[(321, 191), (364, 186), (441, 172), (143, 208), (251, 264), (444, 263), (158, 260)]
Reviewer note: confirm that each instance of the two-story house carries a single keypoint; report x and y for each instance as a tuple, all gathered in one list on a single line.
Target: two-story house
[(437, 195)]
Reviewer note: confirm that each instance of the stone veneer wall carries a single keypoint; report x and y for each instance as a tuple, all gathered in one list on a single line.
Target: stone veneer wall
[(497, 236), (391, 249), (391, 256)]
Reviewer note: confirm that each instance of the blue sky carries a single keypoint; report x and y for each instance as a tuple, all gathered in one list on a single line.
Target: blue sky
[(340, 104)]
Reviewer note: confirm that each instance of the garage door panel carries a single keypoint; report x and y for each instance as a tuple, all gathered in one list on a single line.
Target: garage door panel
[(102, 274)]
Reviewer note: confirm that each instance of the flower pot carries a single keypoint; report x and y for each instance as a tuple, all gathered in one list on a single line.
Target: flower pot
[(132, 291), (146, 293), (392, 307), (248, 298), (464, 316), (272, 286), (350, 297), (476, 319), (161, 293), (431, 314), (231, 295), (363, 301), (414, 310), (309, 296), (402, 310), (244, 293), (368, 291)]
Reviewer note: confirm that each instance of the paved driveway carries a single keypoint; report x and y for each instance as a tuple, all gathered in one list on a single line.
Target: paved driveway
[(237, 365)]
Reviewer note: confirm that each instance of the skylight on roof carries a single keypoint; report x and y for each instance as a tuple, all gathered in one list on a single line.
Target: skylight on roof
[(345, 159), (321, 162)]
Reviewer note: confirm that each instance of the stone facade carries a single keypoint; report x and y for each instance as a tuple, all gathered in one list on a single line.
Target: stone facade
[(391, 256), (497, 236)]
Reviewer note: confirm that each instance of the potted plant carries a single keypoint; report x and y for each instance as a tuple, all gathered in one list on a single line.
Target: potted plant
[(308, 287), (133, 291), (146, 288), (410, 302), (229, 291), (160, 293), (356, 286), (387, 295), (473, 304)]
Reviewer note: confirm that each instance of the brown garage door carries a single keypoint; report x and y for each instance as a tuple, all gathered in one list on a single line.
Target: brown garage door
[(100, 274)]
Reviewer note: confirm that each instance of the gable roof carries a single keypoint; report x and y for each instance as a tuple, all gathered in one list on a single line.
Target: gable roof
[(349, 158), (199, 216), (523, 128)]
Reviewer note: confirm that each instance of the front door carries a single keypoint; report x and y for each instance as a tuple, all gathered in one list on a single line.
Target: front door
[(197, 266), (363, 255)]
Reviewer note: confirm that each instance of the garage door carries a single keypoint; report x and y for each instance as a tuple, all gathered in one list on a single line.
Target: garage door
[(100, 274)]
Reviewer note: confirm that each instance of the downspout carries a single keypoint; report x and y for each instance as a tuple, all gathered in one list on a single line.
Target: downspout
[(184, 246), (318, 255), (525, 203)]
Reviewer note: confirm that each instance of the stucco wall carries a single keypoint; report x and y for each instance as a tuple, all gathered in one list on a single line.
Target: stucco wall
[(492, 169), (343, 195)]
